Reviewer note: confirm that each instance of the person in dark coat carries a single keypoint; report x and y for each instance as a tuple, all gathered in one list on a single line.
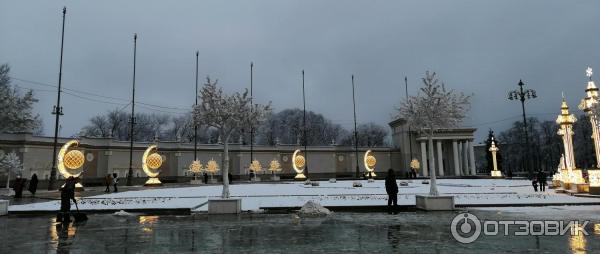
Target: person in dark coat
[(391, 187), (205, 175), (18, 186), (230, 178), (33, 184), (107, 181), (534, 183), (542, 180), (115, 182), (67, 193)]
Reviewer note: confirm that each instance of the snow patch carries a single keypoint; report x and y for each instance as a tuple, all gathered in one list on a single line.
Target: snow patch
[(313, 208), (122, 213)]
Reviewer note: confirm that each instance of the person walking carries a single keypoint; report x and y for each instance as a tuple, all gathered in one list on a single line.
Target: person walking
[(18, 186), (33, 183), (107, 181), (205, 175), (542, 179), (230, 178), (534, 182), (115, 181), (67, 193), (391, 187)]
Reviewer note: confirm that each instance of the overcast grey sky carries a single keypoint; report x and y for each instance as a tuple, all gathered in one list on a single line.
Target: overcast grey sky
[(479, 47)]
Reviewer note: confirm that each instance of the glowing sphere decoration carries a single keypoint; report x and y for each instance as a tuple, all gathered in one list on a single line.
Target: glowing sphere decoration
[(151, 161), (370, 162), (298, 163), (154, 161), (73, 159), (70, 162)]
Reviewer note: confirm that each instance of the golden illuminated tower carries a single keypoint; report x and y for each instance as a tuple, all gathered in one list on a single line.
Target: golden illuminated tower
[(566, 120), (588, 106)]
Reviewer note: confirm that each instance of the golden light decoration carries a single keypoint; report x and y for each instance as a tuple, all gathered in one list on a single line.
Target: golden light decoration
[(212, 166), (255, 166), (70, 162), (151, 161), (594, 176), (154, 161), (370, 162), (576, 176), (275, 166), (298, 163), (415, 164), (74, 159), (195, 167)]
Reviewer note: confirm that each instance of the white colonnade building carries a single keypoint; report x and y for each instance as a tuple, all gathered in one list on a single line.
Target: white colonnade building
[(453, 149)]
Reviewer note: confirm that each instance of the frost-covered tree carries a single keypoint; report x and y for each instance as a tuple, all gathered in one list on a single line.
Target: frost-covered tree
[(16, 109), (433, 108), (10, 162), (227, 114)]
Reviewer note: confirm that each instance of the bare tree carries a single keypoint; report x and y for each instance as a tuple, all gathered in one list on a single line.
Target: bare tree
[(227, 114), (16, 109), (434, 108)]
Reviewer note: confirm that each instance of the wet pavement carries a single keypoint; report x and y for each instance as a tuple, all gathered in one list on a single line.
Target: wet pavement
[(408, 232)]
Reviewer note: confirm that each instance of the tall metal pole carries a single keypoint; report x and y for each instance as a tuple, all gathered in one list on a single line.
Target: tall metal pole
[(304, 127), (355, 131), (195, 125), (252, 106), (132, 120), (527, 153), (409, 133), (57, 108), (522, 95)]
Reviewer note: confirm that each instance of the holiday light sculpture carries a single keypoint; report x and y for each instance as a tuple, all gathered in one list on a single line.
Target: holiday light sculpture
[(494, 149), (151, 162), (275, 167), (256, 168), (566, 121), (415, 164), (370, 161), (70, 161), (195, 168), (298, 163), (588, 105), (212, 167)]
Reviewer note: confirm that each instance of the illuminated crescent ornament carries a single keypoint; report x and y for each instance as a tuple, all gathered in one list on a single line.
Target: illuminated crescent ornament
[(70, 163), (151, 161), (370, 162), (298, 163)]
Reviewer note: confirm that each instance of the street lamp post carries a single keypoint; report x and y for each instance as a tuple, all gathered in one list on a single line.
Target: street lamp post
[(304, 128), (132, 119), (57, 110), (355, 130), (409, 133), (251, 107), (196, 125), (523, 95)]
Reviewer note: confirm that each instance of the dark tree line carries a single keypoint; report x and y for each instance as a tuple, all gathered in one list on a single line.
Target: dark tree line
[(284, 127), (546, 145)]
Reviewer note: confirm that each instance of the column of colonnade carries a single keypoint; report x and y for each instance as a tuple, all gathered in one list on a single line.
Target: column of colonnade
[(463, 157)]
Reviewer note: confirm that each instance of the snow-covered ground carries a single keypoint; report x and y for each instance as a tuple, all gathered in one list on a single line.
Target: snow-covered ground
[(341, 193)]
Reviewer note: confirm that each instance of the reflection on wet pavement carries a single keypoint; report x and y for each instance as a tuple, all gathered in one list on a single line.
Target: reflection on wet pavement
[(268, 233)]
